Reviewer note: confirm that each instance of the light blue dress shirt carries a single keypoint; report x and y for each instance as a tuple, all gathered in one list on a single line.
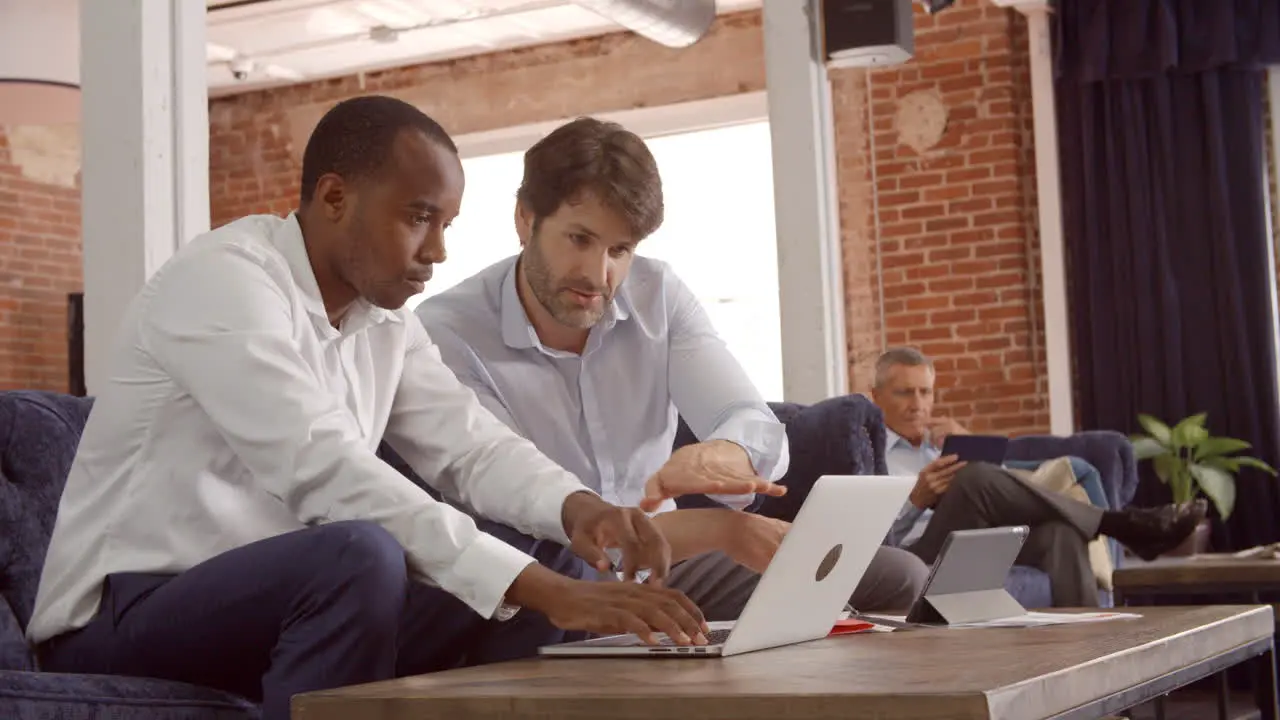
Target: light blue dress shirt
[(608, 415), (903, 458)]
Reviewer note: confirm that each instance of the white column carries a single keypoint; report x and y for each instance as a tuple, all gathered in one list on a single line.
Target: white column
[(1057, 327), (814, 362), (145, 173)]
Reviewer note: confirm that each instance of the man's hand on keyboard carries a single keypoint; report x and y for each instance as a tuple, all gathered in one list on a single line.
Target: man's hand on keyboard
[(609, 607), (594, 527)]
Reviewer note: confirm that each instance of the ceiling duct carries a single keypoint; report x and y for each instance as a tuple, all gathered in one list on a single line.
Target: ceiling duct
[(674, 23), (39, 62)]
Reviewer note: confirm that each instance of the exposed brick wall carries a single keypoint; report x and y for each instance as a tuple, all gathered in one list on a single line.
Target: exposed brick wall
[(957, 220), (39, 266), (256, 140)]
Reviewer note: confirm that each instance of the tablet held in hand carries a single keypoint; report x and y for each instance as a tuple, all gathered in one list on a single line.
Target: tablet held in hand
[(976, 448)]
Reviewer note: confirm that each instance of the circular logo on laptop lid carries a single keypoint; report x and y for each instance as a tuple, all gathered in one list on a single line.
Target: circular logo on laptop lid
[(828, 563)]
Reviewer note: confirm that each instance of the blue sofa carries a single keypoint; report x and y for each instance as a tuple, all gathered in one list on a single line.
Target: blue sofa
[(38, 437), (846, 436)]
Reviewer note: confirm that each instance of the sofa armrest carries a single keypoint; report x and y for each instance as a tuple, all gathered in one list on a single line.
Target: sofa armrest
[(15, 654), (1110, 452), (785, 412), (837, 436)]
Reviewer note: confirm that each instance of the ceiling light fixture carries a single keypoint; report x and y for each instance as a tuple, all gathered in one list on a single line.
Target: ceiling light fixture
[(674, 23)]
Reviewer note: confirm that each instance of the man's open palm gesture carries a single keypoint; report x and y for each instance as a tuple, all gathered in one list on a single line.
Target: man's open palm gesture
[(715, 467)]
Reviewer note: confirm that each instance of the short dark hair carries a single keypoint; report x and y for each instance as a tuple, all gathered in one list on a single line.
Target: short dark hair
[(354, 139), (598, 156)]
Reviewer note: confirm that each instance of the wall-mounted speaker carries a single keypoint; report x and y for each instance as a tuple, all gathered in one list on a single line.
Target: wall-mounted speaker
[(867, 33)]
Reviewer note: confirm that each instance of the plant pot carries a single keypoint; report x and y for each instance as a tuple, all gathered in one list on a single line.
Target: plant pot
[(1195, 544)]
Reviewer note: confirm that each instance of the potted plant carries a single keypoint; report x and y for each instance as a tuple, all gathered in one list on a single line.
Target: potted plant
[(1192, 462)]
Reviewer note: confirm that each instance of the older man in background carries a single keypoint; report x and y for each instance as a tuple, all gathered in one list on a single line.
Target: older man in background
[(953, 495)]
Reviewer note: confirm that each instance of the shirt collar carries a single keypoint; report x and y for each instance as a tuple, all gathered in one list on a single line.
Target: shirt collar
[(288, 240), (517, 330), (893, 439)]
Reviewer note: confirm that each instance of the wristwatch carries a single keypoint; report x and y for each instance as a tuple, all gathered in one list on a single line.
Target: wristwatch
[(505, 612)]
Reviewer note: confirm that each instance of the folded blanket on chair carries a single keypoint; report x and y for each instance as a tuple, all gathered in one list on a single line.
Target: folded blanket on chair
[(1056, 476)]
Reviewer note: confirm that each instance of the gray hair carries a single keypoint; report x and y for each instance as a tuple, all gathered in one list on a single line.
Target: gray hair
[(893, 357)]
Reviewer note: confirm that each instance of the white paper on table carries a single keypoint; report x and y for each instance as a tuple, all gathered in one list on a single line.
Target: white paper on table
[(1039, 619), (1030, 619)]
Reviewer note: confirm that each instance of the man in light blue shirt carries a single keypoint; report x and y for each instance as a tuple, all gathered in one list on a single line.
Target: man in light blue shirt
[(592, 353), (951, 495)]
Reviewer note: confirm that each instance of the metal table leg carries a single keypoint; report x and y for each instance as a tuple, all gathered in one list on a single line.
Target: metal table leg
[(1265, 684), (1224, 696)]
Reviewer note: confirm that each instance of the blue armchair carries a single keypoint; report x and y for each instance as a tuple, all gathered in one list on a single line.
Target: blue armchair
[(38, 437), (39, 432), (846, 436)]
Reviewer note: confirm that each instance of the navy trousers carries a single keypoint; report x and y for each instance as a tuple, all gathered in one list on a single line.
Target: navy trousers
[(319, 608)]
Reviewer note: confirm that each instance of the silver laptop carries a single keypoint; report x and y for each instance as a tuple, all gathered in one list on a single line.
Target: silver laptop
[(804, 590)]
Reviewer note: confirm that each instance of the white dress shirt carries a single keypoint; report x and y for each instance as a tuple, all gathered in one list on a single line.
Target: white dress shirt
[(608, 415), (234, 412)]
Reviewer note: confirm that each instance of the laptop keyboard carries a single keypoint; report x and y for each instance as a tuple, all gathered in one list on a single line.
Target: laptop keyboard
[(715, 637)]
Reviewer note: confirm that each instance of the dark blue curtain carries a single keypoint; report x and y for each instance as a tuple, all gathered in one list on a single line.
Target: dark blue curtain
[(1160, 106)]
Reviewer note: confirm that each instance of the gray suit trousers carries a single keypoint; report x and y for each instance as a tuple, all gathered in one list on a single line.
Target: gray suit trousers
[(984, 496)]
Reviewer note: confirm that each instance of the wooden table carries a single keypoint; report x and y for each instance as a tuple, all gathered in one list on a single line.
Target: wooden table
[(1212, 574), (1068, 671), (1198, 575)]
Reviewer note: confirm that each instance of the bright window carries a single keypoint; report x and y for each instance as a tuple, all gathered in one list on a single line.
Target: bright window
[(718, 234)]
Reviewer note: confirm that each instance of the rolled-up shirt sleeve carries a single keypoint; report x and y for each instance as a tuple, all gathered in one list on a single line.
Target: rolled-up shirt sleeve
[(713, 393), (903, 524), (230, 345)]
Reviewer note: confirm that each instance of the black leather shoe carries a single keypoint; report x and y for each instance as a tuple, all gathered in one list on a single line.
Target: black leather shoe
[(1151, 532)]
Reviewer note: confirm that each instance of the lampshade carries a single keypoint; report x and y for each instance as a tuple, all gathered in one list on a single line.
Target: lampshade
[(39, 62)]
